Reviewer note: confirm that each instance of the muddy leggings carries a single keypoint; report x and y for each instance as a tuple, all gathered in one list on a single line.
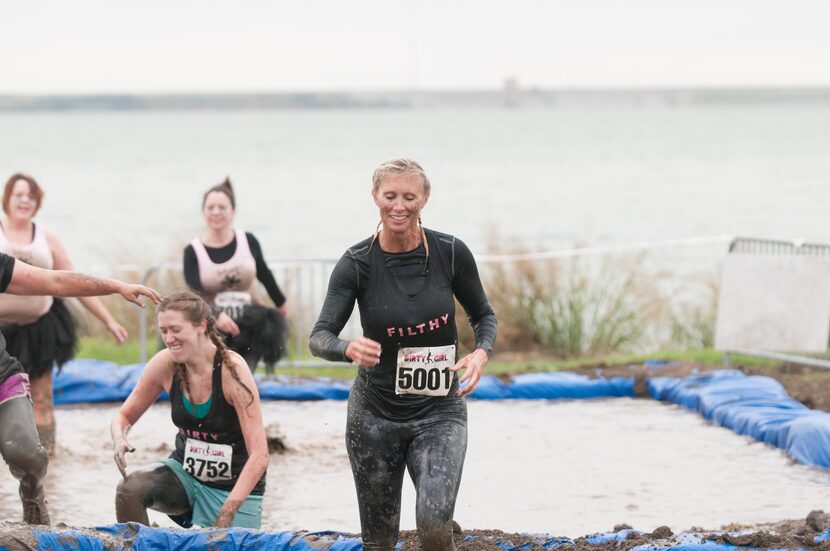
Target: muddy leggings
[(432, 448), (155, 487), (27, 459)]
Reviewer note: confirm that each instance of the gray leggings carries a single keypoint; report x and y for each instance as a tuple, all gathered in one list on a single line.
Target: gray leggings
[(27, 459), (432, 448), (155, 487)]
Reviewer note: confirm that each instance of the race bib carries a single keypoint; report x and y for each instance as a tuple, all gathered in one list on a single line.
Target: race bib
[(207, 462), (233, 303), (425, 370)]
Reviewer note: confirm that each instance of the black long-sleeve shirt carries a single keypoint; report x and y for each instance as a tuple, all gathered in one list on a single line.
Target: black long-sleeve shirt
[(348, 283), (8, 364), (223, 254)]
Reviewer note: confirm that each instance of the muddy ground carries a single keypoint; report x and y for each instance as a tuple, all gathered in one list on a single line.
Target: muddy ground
[(809, 385), (793, 534)]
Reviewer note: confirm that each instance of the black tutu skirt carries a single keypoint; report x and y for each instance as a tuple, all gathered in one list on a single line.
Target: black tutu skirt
[(262, 334), (50, 340)]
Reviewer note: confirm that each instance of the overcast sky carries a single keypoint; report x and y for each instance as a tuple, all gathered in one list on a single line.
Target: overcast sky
[(58, 46)]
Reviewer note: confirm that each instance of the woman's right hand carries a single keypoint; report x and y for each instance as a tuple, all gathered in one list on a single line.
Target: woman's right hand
[(364, 352), (225, 324), (122, 447)]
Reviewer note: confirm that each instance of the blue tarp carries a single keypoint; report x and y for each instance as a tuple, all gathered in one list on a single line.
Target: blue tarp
[(82, 381), (753, 406), (142, 538)]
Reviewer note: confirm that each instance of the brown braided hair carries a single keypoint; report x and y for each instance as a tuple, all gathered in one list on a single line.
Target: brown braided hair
[(196, 310)]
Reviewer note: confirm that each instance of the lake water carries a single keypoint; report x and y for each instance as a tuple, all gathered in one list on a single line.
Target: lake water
[(126, 187)]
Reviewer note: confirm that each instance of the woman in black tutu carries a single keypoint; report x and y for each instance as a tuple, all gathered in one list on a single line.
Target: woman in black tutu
[(39, 330), (223, 265)]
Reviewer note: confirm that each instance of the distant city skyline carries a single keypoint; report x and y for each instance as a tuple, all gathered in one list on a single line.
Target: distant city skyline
[(190, 46)]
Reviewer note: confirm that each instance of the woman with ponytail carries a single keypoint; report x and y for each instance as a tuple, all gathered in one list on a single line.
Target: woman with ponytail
[(215, 476), (223, 266), (406, 407)]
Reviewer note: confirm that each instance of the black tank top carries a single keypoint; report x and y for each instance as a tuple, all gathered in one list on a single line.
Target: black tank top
[(396, 320), (219, 426)]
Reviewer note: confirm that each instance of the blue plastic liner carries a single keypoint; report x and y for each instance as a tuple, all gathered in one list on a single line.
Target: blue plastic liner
[(83, 381), (142, 538), (753, 406)]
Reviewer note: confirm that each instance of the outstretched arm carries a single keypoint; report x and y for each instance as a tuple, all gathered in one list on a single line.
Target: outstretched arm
[(92, 304), (29, 280)]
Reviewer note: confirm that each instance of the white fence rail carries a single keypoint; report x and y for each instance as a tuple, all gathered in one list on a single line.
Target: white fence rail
[(304, 283)]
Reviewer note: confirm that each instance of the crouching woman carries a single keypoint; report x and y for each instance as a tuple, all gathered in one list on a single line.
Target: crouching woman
[(216, 474)]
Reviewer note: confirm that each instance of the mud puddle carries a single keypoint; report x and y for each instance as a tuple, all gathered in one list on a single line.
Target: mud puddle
[(568, 468)]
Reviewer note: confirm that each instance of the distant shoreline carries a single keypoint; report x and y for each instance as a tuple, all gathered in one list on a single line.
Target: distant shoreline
[(507, 98)]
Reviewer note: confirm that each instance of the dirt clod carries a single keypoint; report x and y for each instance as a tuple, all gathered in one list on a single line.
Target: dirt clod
[(662, 532), (818, 520)]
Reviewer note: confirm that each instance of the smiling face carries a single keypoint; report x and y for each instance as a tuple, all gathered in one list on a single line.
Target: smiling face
[(23, 202), (400, 198), (218, 211), (182, 337)]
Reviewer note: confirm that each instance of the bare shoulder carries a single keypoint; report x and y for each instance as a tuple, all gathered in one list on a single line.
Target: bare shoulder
[(159, 369), (243, 386), (51, 237)]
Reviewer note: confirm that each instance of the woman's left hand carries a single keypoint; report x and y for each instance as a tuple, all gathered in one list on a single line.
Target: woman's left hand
[(225, 518), (118, 332), (472, 364)]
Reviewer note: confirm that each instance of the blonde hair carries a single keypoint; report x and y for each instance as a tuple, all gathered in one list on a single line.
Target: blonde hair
[(195, 310), (401, 165)]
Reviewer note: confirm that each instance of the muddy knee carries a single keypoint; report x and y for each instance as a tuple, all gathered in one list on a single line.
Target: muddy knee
[(27, 461)]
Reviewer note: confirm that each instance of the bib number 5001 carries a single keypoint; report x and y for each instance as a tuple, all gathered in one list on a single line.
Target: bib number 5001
[(425, 370), (424, 379)]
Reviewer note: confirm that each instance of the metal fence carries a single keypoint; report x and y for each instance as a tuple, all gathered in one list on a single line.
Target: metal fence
[(749, 245), (304, 283)]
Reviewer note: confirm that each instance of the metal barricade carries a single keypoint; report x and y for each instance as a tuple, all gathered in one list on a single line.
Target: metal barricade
[(303, 282)]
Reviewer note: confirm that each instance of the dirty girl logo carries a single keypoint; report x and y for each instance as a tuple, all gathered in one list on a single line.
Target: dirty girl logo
[(425, 370)]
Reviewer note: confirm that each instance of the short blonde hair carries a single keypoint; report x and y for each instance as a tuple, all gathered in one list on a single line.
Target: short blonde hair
[(400, 165)]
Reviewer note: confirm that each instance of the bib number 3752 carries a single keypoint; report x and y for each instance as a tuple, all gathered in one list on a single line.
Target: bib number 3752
[(425, 370), (207, 462)]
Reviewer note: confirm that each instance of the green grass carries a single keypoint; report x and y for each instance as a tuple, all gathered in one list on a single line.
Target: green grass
[(106, 349), (99, 348), (705, 356)]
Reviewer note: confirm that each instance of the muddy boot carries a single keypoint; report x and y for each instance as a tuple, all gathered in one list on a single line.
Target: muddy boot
[(46, 433), (34, 509)]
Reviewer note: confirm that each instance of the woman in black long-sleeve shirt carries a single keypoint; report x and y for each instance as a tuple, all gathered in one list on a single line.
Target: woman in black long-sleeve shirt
[(223, 266), (406, 407)]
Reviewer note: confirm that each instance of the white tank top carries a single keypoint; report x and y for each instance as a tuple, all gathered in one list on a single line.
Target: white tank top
[(237, 275), (17, 310)]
